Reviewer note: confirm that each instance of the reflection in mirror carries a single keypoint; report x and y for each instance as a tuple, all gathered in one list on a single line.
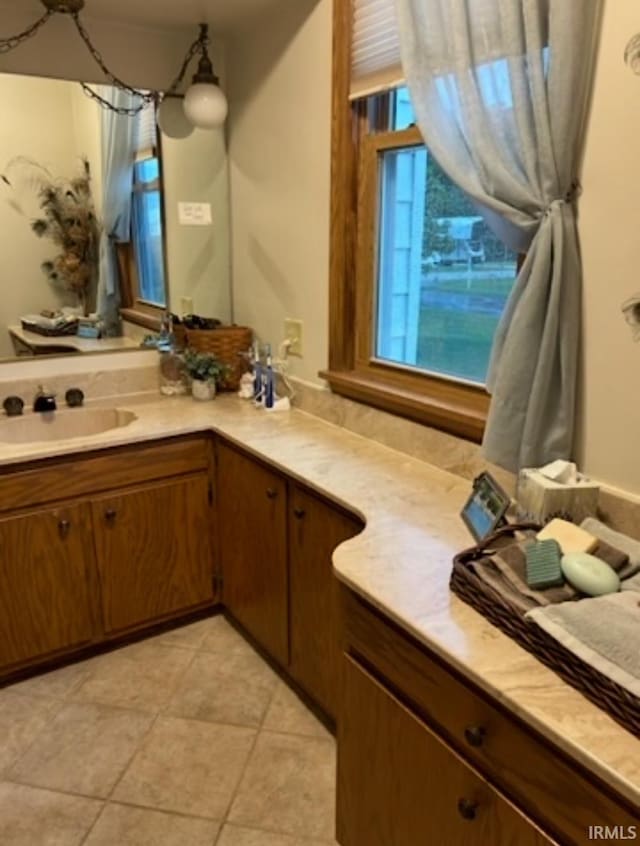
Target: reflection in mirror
[(89, 224)]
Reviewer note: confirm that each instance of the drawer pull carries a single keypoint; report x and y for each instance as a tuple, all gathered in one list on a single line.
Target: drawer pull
[(272, 493), (299, 513), (64, 527), (475, 735), (110, 515), (467, 809)]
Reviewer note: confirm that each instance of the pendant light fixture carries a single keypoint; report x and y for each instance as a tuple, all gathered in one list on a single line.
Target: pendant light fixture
[(204, 105)]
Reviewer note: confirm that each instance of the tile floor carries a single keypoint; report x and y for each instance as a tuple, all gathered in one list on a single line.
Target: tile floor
[(185, 739)]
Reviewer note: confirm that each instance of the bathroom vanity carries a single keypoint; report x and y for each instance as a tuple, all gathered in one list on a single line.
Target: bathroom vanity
[(333, 554)]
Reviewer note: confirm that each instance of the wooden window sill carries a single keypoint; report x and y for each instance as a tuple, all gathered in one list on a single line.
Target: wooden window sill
[(147, 319), (454, 408)]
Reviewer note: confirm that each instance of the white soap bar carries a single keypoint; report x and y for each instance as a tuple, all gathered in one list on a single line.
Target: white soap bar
[(589, 574), (570, 537)]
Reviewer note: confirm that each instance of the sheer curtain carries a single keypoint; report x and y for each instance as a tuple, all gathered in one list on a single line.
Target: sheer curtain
[(500, 89), (118, 135)]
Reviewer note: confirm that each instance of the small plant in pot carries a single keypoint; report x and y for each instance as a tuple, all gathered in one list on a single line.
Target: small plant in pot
[(206, 372)]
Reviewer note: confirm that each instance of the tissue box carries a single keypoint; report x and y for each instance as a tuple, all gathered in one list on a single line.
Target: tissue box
[(540, 498)]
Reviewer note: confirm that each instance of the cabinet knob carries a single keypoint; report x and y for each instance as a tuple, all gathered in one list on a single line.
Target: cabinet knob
[(299, 513), (467, 809), (272, 493), (110, 515), (475, 735), (64, 527)]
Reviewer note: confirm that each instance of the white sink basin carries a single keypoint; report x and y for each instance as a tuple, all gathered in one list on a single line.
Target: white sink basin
[(60, 425)]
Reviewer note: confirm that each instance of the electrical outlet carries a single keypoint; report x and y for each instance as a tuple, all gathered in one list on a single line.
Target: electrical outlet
[(293, 333), (186, 305)]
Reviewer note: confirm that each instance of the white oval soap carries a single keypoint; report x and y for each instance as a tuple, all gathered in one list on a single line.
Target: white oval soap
[(589, 574)]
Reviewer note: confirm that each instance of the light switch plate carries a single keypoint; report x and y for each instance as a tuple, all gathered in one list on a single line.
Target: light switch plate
[(293, 333), (194, 214)]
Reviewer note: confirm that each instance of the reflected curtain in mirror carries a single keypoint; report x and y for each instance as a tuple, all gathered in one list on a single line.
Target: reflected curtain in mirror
[(118, 154)]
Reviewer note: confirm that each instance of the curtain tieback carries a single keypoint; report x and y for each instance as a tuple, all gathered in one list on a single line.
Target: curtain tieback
[(570, 197)]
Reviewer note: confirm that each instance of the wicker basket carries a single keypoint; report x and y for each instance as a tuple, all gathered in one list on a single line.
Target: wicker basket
[(227, 343), (618, 702)]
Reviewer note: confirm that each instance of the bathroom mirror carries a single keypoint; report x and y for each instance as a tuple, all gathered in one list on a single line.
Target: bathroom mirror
[(56, 208)]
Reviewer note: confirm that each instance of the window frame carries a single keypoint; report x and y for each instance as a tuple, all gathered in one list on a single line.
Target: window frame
[(134, 308), (359, 136)]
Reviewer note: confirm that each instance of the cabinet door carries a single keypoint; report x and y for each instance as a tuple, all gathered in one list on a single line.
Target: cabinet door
[(315, 530), (46, 571), (400, 785), (252, 516), (154, 551)]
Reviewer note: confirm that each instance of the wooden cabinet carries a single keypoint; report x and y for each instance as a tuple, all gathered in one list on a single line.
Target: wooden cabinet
[(121, 539), (315, 530), (400, 785), (252, 515), (46, 563), (153, 548)]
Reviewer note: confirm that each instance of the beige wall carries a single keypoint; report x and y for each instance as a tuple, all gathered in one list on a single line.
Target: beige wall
[(279, 136), (195, 170), (610, 235), (41, 129), (279, 149)]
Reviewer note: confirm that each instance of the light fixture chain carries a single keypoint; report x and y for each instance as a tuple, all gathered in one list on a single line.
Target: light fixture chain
[(146, 97), (120, 110), (195, 48), (7, 44)]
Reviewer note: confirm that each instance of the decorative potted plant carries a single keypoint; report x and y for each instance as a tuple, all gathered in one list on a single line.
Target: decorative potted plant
[(206, 372)]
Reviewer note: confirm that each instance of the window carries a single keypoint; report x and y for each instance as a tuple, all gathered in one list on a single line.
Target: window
[(146, 232), (418, 280), (142, 258), (442, 277)]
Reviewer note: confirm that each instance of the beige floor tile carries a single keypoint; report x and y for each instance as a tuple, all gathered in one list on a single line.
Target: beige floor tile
[(191, 636), (57, 684), (288, 713), (141, 676), (233, 835), (31, 817), (222, 637), (232, 688), (84, 749), (187, 766), (289, 786), (22, 718), (120, 825)]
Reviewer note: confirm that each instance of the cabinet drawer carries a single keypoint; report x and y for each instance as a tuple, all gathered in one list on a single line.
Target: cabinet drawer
[(526, 766), (399, 784), (76, 476)]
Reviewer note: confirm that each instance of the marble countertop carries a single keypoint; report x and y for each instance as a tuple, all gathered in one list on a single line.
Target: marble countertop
[(400, 563)]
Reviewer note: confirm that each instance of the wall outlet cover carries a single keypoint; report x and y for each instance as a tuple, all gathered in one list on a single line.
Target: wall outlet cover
[(293, 333)]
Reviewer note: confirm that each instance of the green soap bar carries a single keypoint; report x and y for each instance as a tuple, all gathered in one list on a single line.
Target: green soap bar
[(543, 564), (589, 574)]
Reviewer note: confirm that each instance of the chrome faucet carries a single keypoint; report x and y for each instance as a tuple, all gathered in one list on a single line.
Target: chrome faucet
[(44, 400)]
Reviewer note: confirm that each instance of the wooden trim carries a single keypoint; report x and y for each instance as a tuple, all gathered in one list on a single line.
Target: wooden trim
[(355, 147), (456, 408), (147, 316), (343, 193)]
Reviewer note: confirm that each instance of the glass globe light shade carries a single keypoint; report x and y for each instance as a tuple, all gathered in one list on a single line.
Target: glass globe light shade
[(205, 105), (172, 119)]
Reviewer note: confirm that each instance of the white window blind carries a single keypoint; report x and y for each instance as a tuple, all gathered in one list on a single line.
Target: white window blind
[(146, 137), (376, 64)]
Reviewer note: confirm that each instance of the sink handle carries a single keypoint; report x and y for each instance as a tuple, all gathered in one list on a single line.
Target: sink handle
[(74, 397)]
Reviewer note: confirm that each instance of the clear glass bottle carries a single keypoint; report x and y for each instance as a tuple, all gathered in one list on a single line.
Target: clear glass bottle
[(173, 376)]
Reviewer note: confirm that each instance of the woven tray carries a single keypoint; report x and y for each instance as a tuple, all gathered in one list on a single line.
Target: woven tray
[(227, 343), (618, 702), (70, 329)]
